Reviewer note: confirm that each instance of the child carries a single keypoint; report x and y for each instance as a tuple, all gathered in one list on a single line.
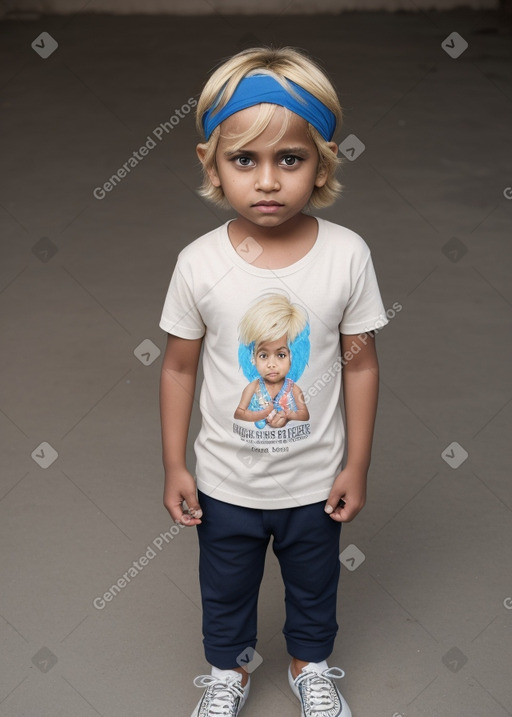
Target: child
[(268, 116), (273, 333)]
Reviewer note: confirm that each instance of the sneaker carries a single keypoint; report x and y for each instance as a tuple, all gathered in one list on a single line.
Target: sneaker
[(224, 694), (318, 695)]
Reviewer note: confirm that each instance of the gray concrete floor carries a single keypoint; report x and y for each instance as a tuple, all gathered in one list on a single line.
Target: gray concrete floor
[(426, 618)]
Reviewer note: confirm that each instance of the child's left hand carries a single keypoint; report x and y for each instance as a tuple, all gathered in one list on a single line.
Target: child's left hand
[(279, 419), (350, 487)]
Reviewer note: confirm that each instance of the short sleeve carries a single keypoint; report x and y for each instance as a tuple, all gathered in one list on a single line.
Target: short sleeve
[(180, 315), (364, 310)]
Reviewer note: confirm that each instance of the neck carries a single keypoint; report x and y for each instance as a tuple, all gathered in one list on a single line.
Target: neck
[(271, 387), (287, 231)]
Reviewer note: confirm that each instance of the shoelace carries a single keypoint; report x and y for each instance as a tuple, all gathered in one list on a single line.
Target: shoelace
[(223, 693), (320, 687)]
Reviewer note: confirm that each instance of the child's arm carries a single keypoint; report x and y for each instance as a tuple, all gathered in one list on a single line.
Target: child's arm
[(243, 413), (302, 413), (177, 386), (360, 390)]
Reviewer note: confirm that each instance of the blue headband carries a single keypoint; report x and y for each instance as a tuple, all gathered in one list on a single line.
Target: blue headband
[(254, 89)]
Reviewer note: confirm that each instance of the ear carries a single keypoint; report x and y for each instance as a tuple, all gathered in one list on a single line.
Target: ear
[(321, 177), (212, 172)]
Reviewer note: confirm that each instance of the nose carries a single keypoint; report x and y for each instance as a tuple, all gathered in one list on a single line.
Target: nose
[(266, 178)]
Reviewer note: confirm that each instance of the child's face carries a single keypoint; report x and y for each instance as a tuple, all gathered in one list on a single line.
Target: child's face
[(286, 172), (273, 360)]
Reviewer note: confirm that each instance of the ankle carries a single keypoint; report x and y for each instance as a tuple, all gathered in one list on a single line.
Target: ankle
[(296, 667), (221, 673), (244, 673)]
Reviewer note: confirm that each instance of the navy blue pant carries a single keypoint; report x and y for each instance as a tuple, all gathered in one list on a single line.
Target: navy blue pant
[(233, 542)]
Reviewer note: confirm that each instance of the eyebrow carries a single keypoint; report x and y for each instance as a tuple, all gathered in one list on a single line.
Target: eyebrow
[(281, 348), (286, 150)]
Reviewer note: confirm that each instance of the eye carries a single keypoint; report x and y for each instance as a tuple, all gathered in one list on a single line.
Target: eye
[(242, 158), (294, 158), (282, 355)]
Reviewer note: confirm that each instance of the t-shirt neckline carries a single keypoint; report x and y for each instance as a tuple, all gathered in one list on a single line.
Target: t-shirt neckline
[(239, 261)]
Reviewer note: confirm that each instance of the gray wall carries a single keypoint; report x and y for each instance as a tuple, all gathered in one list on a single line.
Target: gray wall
[(249, 7)]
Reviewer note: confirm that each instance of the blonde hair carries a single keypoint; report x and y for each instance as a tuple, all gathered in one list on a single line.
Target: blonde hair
[(282, 64), (270, 318)]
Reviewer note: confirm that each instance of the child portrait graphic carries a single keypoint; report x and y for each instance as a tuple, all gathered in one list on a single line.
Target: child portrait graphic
[(270, 327), (274, 340)]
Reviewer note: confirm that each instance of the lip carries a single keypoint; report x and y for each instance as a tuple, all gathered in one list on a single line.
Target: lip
[(267, 208), (270, 203)]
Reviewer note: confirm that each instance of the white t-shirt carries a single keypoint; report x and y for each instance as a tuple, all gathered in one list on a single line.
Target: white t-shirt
[(212, 289)]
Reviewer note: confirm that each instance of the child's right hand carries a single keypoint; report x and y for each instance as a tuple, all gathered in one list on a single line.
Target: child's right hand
[(180, 486)]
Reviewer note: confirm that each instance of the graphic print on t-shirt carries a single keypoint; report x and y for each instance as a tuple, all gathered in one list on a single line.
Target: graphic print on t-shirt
[(273, 352)]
